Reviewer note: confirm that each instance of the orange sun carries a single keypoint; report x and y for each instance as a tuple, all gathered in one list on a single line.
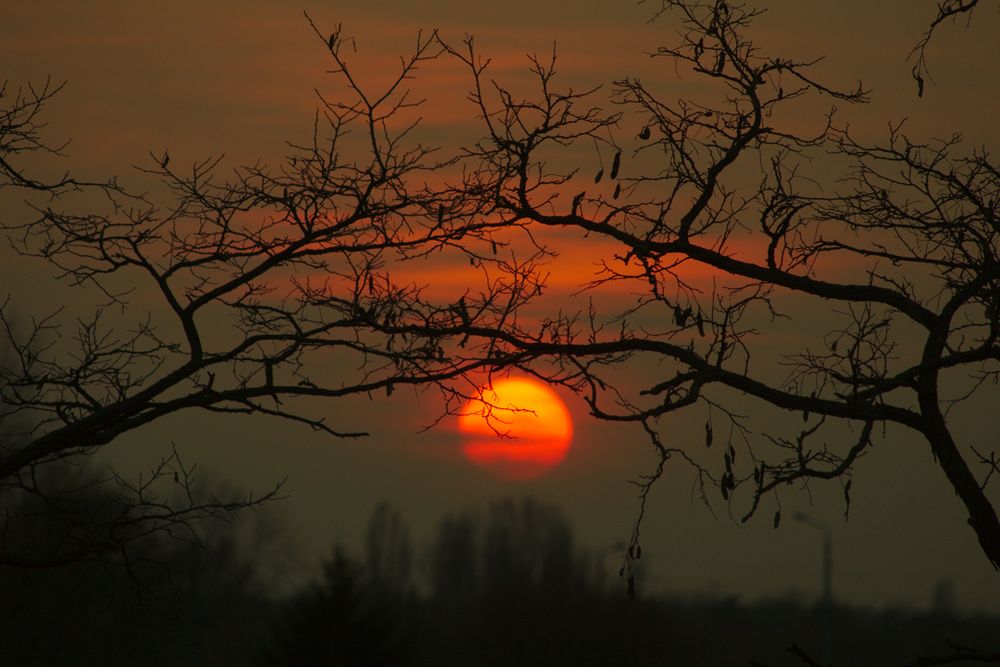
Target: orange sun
[(518, 428)]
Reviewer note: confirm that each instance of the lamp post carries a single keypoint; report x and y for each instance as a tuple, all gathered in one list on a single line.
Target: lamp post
[(826, 599)]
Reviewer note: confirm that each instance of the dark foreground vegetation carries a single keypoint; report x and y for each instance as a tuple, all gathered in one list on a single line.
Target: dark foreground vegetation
[(503, 586)]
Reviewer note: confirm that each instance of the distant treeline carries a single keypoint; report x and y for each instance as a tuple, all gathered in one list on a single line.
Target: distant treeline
[(506, 585)]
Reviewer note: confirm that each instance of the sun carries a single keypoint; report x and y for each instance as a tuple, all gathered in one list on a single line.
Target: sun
[(517, 428)]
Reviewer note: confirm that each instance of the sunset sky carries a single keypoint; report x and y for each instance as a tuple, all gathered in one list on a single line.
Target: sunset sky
[(240, 78)]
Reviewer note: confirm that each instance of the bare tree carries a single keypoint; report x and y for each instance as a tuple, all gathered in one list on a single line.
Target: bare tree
[(263, 280), (388, 548), (271, 274), (895, 245)]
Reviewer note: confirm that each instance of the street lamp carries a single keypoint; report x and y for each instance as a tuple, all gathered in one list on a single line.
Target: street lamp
[(826, 601)]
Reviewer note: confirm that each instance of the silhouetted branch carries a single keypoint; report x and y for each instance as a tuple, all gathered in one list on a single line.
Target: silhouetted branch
[(916, 221), (946, 9), (260, 282), (20, 134), (959, 654)]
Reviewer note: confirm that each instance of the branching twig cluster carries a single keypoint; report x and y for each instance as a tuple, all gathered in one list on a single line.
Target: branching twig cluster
[(916, 222)]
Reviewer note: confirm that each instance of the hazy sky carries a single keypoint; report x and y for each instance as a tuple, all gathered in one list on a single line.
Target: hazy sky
[(240, 77)]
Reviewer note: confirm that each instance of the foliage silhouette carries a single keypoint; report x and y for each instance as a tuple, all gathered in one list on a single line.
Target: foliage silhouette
[(345, 619), (489, 601), (203, 600), (217, 607)]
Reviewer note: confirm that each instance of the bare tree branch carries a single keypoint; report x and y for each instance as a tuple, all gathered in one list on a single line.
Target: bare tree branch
[(946, 10), (915, 221)]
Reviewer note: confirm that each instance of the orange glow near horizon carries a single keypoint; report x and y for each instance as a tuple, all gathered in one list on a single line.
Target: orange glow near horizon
[(518, 429)]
